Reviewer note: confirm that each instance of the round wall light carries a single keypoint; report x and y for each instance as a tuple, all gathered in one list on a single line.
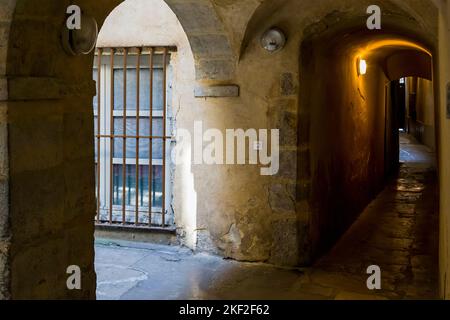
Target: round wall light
[(273, 40), (83, 40)]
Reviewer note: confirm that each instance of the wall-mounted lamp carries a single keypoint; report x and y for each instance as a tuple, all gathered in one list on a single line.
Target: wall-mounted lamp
[(273, 40), (82, 40), (362, 67)]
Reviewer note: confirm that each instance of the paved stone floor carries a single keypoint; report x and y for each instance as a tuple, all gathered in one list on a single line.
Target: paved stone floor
[(397, 232)]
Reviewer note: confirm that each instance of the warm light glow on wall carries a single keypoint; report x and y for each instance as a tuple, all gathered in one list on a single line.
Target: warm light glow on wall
[(373, 47), (362, 67), (393, 43)]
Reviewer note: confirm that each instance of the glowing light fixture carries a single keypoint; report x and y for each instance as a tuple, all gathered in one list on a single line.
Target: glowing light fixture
[(362, 67)]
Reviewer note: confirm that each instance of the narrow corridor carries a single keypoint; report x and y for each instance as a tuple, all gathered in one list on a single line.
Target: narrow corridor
[(398, 232)]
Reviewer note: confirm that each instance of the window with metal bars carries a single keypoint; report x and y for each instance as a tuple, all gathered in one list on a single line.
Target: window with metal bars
[(133, 136)]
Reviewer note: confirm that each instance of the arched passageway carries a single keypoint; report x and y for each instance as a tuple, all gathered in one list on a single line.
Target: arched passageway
[(354, 137), (352, 94), (322, 51)]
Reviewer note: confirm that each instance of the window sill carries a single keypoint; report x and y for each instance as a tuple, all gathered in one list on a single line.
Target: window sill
[(136, 229)]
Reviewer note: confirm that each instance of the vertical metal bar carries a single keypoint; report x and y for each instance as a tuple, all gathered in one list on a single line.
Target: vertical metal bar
[(99, 67), (124, 149), (150, 158), (138, 133), (164, 138), (111, 147)]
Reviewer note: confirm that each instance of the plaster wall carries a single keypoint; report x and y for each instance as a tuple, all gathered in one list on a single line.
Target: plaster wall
[(424, 128), (425, 102)]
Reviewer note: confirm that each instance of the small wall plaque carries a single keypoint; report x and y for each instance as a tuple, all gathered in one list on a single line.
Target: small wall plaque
[(224, 91)]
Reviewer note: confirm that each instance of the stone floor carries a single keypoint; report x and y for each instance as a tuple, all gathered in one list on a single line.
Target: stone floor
[(397, 232)]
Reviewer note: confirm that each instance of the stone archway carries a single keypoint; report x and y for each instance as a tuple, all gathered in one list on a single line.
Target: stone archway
[(215, 59), (209, 41), (47, 205), (421, 12)]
